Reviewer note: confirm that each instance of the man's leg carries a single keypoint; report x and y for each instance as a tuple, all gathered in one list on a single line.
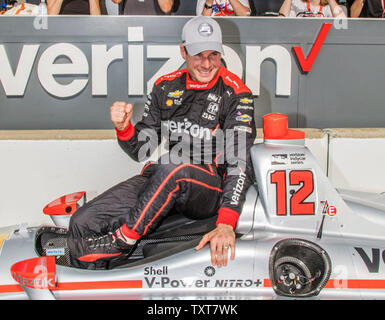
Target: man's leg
[(194, 190), (102, 215)]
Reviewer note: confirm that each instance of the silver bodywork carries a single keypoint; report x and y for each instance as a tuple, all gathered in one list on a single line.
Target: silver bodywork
[(352, 235)]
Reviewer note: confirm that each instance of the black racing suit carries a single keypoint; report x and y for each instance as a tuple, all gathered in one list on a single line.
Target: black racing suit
[(209, 129)]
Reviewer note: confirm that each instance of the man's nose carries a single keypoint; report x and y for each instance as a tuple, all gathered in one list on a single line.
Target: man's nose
[(205, 63)]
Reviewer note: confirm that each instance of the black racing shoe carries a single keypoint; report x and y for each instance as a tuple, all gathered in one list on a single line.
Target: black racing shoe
[(107, 247)]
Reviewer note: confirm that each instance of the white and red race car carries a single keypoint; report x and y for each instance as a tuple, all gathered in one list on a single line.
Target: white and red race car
[(297, 237)]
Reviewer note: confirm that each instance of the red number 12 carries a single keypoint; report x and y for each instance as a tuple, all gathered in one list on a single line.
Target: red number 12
[(298, 206)]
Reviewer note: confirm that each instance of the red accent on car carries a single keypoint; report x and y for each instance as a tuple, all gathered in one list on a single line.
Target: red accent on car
[(96, 256), (84, 285), (65, 205), (35, 273), (275, 127)]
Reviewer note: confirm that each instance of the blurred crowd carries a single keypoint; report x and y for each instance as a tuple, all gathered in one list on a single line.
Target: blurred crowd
[(279, 8)]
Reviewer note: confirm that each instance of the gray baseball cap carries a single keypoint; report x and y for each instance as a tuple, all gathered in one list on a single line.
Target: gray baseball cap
[(200, 34)]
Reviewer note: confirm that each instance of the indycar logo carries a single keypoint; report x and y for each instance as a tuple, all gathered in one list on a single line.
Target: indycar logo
[(279, 159)]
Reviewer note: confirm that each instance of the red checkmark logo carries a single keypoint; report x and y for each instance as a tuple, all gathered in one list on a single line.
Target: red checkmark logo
[(307, 63)]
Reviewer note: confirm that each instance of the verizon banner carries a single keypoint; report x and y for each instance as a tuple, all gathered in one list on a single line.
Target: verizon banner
[(65, 72)]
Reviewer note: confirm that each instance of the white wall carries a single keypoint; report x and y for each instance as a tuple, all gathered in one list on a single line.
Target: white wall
[(357, 159), (35, 171)]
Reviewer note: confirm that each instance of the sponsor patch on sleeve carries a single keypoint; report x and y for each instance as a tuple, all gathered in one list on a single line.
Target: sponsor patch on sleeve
[(246, 100), (243, 128)]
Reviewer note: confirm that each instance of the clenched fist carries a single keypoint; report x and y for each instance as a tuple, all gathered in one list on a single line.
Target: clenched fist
[(121, 114)]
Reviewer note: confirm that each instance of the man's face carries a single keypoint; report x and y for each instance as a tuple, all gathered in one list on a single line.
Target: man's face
[(204, 66)]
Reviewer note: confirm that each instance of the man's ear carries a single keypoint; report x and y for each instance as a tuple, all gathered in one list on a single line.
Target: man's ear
[(183, 52)]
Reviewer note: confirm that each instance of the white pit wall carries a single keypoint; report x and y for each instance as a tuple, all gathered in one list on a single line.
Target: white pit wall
[(357, 159)]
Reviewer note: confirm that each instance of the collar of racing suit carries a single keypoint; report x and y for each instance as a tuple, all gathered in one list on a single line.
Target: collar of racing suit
[(196, 85)]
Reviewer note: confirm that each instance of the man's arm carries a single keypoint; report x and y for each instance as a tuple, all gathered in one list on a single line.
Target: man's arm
[(201, 10), (356, 8), (54, 6), (285, 8), (240, 131), (94, 7), (239, 8), (140, 140), (166, 5)]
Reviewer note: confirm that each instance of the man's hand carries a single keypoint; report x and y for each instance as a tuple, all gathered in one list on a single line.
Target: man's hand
[(121, 114), (221, 239), (336, 10), (207, 12)]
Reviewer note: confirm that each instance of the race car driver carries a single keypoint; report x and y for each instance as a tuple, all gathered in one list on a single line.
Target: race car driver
[(206, 114)]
